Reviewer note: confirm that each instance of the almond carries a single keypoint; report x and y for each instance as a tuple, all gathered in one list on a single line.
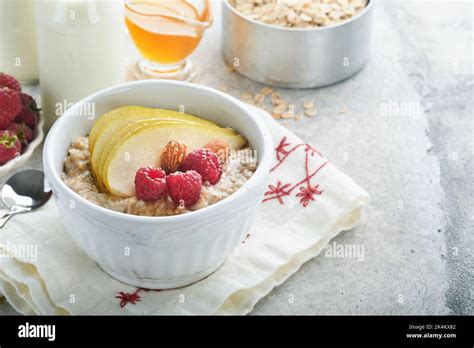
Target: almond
[(172, 156), (221, 148)]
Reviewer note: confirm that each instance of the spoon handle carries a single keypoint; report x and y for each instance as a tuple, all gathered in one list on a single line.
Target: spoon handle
[(5, 218), (5, 215)]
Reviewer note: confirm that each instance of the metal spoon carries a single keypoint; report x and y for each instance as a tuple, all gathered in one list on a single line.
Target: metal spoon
[(23, 192)]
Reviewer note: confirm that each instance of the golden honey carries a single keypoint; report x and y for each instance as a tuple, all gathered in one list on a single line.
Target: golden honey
[(166, 32)]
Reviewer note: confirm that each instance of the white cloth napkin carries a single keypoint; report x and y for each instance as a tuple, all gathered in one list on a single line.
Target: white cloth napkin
[(308, 202)]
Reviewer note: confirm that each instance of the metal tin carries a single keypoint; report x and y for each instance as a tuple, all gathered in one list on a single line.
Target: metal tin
[(294, 57)]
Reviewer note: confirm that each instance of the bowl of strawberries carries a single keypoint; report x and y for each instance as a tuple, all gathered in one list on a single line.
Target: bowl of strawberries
[(21, 127)]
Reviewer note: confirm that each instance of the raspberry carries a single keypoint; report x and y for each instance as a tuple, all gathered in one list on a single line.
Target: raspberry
[(10, 146), (23, 133), (10, 106), (29, 111), (206, 163), (184, 188), (27, 100), (27, 117), (9, 82), (150, 183)]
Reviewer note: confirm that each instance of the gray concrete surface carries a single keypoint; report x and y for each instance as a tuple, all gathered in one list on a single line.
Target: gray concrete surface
[(418, 237)]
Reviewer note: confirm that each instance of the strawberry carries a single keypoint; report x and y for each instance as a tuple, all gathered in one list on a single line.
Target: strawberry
[(10, 106), (29, 111), (206, 163), (9, 82), (23, 133), (10, 146), (150, 183), (184, 188)]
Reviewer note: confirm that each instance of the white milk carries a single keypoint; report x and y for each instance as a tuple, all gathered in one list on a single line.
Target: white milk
[(81, 50), (18, 40)]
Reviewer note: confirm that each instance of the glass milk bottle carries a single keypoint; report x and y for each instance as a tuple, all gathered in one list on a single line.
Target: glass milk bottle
[(80, 49), (18, 40)]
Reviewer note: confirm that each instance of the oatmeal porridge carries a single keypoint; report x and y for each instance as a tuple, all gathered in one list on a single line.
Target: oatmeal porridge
[(77, 174)]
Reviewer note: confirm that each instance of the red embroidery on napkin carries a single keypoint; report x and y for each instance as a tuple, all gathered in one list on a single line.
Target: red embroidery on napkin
[(132, 298), (307, 194), (307, 191)]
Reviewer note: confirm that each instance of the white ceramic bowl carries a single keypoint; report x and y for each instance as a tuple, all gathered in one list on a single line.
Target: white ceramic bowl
[(159, 252)]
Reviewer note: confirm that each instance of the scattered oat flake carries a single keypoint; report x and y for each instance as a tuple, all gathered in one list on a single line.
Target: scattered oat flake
[(311, 112), (278, 102), (343, 109), (298, 117), (288, 114), (259, 97), (247, 95), (224, 88), (266, 91), (276, 95), (279, 109), (308, 104)]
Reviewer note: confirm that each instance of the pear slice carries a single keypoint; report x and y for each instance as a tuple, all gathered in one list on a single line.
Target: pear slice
[(142, 147), (122, 116), (108, 140)]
